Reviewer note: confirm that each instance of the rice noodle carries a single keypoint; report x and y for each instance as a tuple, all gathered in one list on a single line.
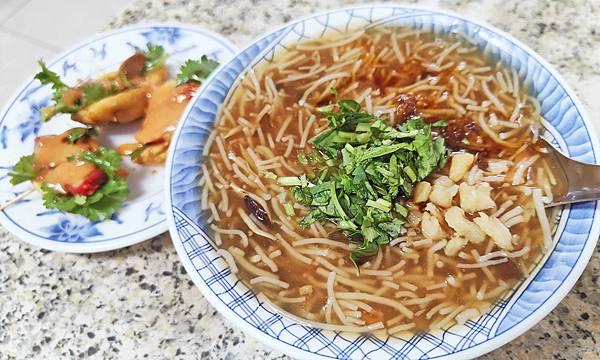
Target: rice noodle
[(397, 50), (542, 217), (445, 321), (482, 264), (376, 299), (265, 259), (292, 251), (521, 167), (349, 282), (236, 232), (252, 226), (269, 280), (465, 315), (517, 210), (319, 82), (306, 131), (228, 259), (246, 265)]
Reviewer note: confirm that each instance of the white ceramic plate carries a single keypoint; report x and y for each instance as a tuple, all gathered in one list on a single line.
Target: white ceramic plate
[(142, 215), (574, 240)]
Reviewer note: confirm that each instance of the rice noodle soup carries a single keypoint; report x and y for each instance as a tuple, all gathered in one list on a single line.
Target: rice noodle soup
[(464, 228)]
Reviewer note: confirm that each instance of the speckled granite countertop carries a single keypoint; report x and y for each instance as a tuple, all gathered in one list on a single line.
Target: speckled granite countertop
[(139, 303)]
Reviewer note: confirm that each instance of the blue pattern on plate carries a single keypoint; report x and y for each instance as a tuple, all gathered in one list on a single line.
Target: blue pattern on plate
[(140, 217), (99, 53), (576, 234), (32, 125), (4, 136), (72, 230), (66, 67), (160, 35)]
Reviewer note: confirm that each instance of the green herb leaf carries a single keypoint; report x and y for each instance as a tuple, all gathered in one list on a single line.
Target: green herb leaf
[(77, 133), (48, 77), (367, 167), (289, 209), (22, 171), (93, 92), (105, 201), (155, 57), (196, 70), (137, 152)]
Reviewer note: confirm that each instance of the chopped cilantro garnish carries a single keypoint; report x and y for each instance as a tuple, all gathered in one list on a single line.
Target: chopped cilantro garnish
[(370, 166), (196, 70), (22, 171), (289, 209), (439, 123), (105, 201)]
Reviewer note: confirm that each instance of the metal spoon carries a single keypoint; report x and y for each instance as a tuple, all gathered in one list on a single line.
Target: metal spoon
[(576, 181)]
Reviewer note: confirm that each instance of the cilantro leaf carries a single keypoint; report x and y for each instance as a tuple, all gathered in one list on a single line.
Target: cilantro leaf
[(93, 92), (155, 57), (48, 77), (85, 94), (22, 171), (196, 70), (105, 201)]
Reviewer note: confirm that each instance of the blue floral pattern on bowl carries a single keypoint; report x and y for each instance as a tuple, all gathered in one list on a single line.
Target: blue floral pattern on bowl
[(142, 215), (575, 238)]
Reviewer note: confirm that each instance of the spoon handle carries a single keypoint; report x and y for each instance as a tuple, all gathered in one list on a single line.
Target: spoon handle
[(575, 181)]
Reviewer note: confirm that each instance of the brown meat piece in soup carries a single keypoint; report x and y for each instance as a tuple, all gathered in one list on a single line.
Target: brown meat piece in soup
[(407, 107)]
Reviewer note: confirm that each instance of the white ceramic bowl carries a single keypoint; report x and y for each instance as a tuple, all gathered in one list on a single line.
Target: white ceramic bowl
[(574, 240)]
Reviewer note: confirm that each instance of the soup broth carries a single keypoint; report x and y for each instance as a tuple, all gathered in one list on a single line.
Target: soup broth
[(418, 281)]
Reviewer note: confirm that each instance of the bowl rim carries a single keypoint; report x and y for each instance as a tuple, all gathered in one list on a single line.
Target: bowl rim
[(489, 345)]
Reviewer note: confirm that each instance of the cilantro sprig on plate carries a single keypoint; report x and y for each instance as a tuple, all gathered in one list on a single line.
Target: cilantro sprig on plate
[(196, 70), (99, 206), (156, 56), (362, 170), (84, 95), (103, 203)]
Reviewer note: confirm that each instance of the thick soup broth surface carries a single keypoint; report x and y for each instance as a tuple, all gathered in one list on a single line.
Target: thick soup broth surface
[(411, 284)]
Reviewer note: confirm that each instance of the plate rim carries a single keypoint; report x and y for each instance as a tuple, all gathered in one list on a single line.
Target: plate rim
[(150, 231), (478, 350)]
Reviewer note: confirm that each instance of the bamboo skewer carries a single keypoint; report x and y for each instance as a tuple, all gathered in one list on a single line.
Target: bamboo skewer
[(17, 198)]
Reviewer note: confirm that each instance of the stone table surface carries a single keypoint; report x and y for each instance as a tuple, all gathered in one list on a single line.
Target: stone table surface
[(139, 303)]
